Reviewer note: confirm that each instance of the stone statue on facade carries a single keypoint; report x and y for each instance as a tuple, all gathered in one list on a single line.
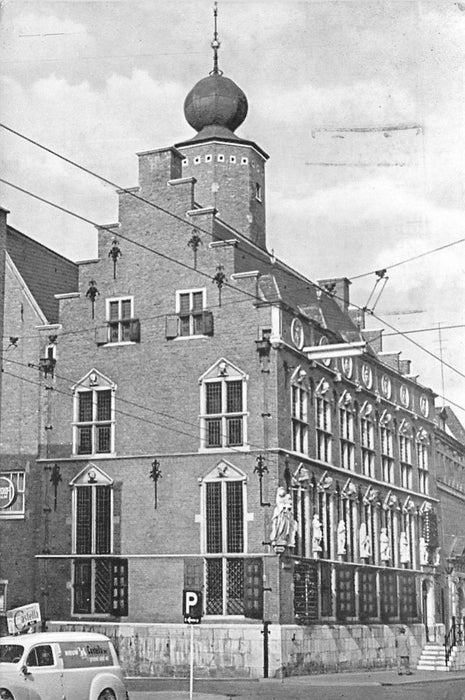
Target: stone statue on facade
[(341, 538), (384, 548), (365, 542), (423, 552), (404, 548), (283, 525), (317, 534)]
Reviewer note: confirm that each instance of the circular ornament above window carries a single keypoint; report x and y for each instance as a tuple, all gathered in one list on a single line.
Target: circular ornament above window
[(424, 405), (347, 365), (324, 341), (367, 376), (386, 386), (297, 333), (404, 395)]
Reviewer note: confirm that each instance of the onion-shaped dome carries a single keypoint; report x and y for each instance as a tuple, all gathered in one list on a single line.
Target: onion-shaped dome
[(215, 101)]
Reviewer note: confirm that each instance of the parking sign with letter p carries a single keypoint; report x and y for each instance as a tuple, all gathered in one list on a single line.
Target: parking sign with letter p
[(192, 606)]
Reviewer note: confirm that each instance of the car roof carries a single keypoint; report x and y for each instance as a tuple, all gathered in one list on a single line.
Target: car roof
[(43, 637)]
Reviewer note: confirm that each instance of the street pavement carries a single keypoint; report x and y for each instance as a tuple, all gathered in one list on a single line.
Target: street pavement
[(329, 685)]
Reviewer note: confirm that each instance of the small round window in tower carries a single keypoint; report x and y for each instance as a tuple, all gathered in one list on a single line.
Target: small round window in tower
[(197, 160), (220, 158), (208, 158), (244, 161), (232, 159)]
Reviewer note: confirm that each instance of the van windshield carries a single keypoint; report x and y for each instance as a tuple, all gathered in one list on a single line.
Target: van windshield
[(10, 653)]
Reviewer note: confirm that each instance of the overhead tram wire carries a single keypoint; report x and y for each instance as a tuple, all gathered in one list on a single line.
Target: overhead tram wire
[(189, 267), (188, 223)]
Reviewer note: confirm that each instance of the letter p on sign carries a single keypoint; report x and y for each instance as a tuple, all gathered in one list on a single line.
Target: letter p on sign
[(192, 606)]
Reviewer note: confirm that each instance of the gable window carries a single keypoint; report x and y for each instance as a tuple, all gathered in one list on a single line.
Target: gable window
[(346, 432), (405, 454), (122, 327), (12, 493), (299, 417), (99, 583), (387, 455), (367, 441), (223, 419), (94, 415), (323, 422)]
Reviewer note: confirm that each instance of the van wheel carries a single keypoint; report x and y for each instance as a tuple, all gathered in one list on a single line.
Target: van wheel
[(107, 694)]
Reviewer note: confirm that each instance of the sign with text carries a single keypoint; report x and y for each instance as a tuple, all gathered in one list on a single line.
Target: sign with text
[(82, 655), (192, 607), (19, 619)]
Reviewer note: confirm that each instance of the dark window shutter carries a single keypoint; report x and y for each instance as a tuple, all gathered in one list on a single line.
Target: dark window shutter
[(253, 588), (207, 323), (134, 330), (193, 574), (171, 330), (101, 335), (82, 586), (119, 587)]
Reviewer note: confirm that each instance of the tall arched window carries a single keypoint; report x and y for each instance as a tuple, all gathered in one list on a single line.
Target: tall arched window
[(223, 407), (299, 411), (94, 415)]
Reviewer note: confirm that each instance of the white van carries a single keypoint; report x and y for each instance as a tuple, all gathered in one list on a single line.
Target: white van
[(57, 665)]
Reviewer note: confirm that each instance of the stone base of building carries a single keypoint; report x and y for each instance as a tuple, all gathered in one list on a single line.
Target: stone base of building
[(237, 650)]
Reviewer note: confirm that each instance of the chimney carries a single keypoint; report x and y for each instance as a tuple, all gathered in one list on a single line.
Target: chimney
[(337, 287)]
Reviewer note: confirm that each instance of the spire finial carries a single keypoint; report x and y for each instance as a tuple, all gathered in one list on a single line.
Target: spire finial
[(215, 43)]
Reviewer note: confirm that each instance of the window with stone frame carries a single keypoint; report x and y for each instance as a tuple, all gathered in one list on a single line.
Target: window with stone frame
[(94, 415), (227, 580), (299, 413), (367, 440), (223, 407), (422, 450), (405, 455), (323, 422), (100, 583), (387, 453), (346, 431)]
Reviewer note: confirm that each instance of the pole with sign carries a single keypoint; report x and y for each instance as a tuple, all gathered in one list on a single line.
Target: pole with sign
[(192, 612)]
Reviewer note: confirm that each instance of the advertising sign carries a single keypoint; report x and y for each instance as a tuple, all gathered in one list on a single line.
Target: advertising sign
[(192, 607), (19, 619), (82, 655), (7, 492)]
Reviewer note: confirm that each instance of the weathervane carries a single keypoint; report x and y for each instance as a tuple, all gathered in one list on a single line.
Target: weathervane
[(215, 44)]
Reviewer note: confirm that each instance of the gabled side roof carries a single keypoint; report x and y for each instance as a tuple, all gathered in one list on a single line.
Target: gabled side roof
[(45, 272)]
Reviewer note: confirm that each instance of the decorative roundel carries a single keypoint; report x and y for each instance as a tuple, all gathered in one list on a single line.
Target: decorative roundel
[(367, 376), (297, 333), (404, 395), (347, 365), (324, 341), (7, 492), (386, 387), (424, 405)]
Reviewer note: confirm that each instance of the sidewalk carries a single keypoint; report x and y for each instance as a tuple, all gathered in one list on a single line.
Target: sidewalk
[(146, 689)]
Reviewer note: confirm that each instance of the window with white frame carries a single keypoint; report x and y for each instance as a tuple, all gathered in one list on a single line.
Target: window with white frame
[(94, 415), (119, 314), (387, 454), (367, 441), (223, 401), (422, 447), (225, 533), (99, 583), (190, 305), (323, 422), (405, 455), (299, 414), (346, 432), (12, 494)]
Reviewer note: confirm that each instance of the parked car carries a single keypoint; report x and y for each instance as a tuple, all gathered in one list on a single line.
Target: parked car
[(54, 665)]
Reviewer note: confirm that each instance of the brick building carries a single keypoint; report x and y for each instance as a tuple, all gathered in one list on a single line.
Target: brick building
[(30, 275), (216, 421)]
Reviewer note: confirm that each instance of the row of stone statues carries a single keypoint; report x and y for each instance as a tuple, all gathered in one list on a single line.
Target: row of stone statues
[(284, 529)]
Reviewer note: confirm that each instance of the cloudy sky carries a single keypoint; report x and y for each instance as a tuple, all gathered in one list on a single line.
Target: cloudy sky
[(359, 104)]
